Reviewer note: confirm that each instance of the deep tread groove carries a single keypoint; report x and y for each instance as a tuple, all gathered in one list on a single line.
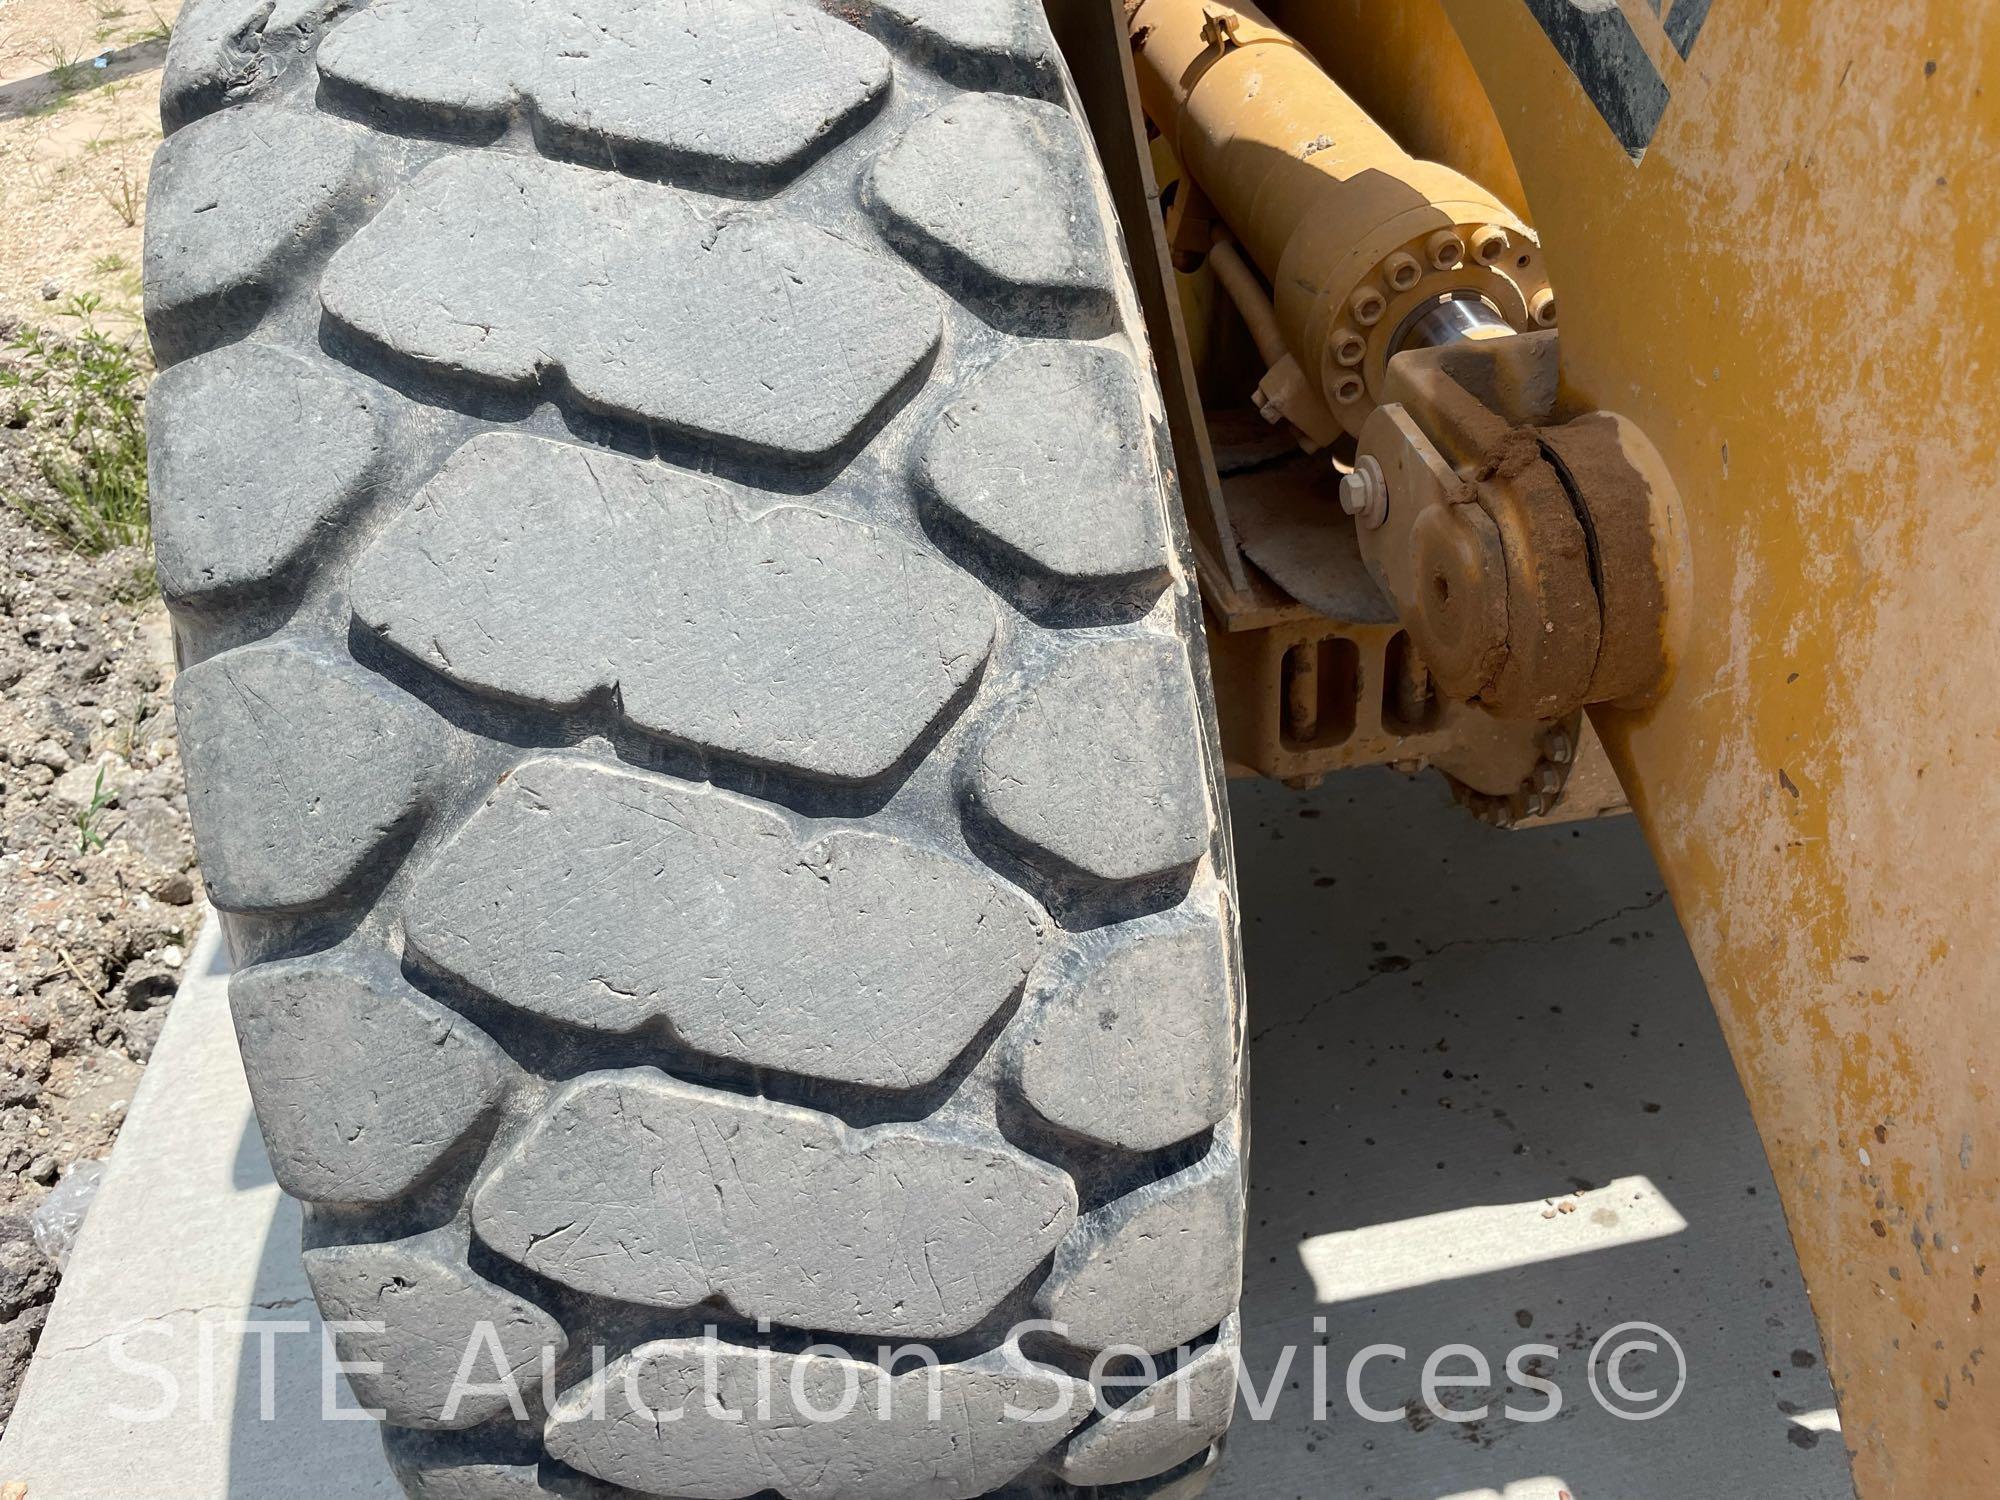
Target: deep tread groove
[(596, 721), (1051, 602), (681, 169), (508, 406), (1075, 898), (558, 1053), (1029, 67), (335, 97)]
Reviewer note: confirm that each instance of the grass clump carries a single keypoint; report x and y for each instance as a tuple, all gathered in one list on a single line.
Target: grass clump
[(80, 399), (161, 30), (89, 838), (124, 197), (67, 70)]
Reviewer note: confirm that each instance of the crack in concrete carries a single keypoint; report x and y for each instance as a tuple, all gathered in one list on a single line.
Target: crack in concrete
[(1426, 954), (277, 1305)]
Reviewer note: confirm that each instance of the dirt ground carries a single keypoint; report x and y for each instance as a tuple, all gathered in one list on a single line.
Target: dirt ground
[(97, 908), (79, 121), (99, 899)]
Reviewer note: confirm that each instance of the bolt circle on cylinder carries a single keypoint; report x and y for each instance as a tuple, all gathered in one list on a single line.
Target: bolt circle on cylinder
[(1349, 347), (1489, 243), (1543, 308), (1347, 237)]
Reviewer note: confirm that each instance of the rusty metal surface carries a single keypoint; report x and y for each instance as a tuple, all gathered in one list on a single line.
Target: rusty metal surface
[(1438, 556), (1638, 550), (1553, 619), (1346, 712), (1534, 563), (1774, 250)]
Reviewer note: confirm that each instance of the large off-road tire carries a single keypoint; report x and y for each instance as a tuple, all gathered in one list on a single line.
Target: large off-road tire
[(695, 717)]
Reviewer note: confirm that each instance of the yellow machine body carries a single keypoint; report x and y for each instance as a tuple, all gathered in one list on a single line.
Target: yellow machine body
[(1772, 227), (1793, 289)]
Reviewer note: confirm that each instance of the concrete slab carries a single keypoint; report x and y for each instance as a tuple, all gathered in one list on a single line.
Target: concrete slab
[(1491, 1109), (182, 1357)]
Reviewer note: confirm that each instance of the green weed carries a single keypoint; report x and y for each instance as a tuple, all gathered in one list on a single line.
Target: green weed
[(66, 70), (80, 397), (123, 197), (88, 838)]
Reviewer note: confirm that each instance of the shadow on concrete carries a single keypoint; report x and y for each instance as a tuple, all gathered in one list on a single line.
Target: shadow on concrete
[(1445, 1017), (282, 1391)]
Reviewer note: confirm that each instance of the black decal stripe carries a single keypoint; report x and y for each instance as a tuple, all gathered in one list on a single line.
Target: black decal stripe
[(1599, 45), (1684, 23)]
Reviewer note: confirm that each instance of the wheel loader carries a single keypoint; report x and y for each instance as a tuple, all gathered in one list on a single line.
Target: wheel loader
[(722, 553)]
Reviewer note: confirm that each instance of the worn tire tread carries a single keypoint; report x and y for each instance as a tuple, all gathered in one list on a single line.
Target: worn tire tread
[(578, 512)]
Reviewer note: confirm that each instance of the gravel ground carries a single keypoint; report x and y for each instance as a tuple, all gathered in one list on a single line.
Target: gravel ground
[(95, 917), (97, 909)]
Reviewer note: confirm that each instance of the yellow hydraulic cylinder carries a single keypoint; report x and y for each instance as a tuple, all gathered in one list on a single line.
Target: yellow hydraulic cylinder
[(1368, 249)]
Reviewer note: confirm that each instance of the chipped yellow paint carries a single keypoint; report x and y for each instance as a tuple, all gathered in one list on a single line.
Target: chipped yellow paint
[(1794, 294)]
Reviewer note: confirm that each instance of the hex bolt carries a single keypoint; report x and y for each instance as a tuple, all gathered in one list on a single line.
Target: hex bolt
[(1364, 494), (1347, 389), (1556, 746), (1489, 243), (1349, 347), (1446, 249), (1368, 305), (1402, 270), (1548, 780), (1543, 308)]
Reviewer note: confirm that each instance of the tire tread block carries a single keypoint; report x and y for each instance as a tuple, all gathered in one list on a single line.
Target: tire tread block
[(615, 900), (639, 1187), (547, 572)]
